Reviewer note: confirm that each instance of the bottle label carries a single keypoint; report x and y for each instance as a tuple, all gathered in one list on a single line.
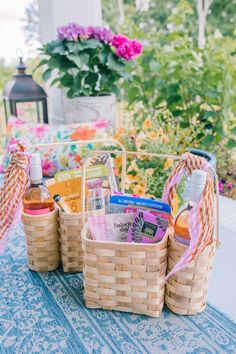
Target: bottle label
[(37, 211)]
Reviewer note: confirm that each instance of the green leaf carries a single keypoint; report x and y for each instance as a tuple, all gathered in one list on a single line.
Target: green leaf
[(102, 57), (91, 79), (70, 94), (233, 131), (208, 140), (67, 80), (133, 93), (84, 58), (231, 144), (74, 47), (91, 43), (47, 74), (54, 44), (113, 63), (57, 79), (77, 81), (60, 62), (173, 99), (42, 62), (75, 59)]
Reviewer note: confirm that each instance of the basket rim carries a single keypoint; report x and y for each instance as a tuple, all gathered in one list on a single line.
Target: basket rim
[(182, 245), (85, 239)]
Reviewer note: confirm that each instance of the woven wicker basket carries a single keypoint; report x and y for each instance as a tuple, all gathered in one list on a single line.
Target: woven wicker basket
[(124, 277), (70, 240), (186, 290), (42, 240)]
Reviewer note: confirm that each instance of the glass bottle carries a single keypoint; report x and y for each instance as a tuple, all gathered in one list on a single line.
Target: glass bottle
[(37, 199), (197, 185)]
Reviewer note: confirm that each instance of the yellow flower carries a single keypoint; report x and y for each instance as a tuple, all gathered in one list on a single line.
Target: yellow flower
[(118, 162), (175, 204), (149, 172), (142, 184), (63, 160), (132, 178), (151, 196), (165, 139), (119, 133), (168, 164), (152, 136), (147, 124), (139, 190)]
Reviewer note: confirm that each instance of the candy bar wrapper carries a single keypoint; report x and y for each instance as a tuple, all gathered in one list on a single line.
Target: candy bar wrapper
[(111, 227), (148, 228)]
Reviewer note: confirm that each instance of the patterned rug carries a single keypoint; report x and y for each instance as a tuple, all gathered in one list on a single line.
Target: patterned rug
[(45, 313)]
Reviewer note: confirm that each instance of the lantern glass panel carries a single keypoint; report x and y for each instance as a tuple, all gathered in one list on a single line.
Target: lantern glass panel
[(30, 111)]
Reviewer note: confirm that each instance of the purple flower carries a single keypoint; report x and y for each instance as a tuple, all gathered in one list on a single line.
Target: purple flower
[(229, 186), (223, 180), (72, 31), (101, 33)]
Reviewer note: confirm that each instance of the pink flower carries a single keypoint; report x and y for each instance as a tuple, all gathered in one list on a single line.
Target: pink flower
[(220, 187), (136, 47), (101, 124), (118, 40), (229, 186), (128, 50), (48, 168), (40, 130)]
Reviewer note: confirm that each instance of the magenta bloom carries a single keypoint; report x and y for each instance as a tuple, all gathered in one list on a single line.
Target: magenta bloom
[(229, 186), (101, 33), (220, 187), (129, 50), (72, 31), (118, 40), (48, 168), (126, 48)]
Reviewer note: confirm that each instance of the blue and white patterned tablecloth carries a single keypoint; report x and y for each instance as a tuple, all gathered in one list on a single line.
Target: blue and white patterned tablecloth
[(45, 313)]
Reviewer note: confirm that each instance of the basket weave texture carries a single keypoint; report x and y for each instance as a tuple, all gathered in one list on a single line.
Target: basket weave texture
[(124, 277), (42, 241), (186, 290), (71, 241)]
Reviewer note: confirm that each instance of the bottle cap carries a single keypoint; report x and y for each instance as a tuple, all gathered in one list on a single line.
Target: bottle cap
[(36, 174), (197, 185)]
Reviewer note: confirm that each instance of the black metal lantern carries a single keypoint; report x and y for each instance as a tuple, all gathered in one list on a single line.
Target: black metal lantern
[(22, 96)]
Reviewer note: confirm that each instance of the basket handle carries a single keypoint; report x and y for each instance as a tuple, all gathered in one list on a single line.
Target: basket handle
[(124, 154), (164, 156)]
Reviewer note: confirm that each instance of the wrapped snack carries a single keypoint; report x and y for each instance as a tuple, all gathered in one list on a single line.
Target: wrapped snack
[(147, 228), (112, 227)]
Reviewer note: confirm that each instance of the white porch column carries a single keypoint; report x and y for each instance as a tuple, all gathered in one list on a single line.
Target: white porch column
[(54, 13)]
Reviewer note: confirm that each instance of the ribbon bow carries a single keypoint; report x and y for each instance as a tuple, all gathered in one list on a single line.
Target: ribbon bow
[(200, 216), (15, 183)]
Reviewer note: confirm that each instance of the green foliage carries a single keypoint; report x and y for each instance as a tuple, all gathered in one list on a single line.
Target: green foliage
[(84, 67), (192, 87), (221, 16)]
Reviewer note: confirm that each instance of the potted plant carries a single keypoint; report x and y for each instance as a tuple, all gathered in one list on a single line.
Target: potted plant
[(89, 62)]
